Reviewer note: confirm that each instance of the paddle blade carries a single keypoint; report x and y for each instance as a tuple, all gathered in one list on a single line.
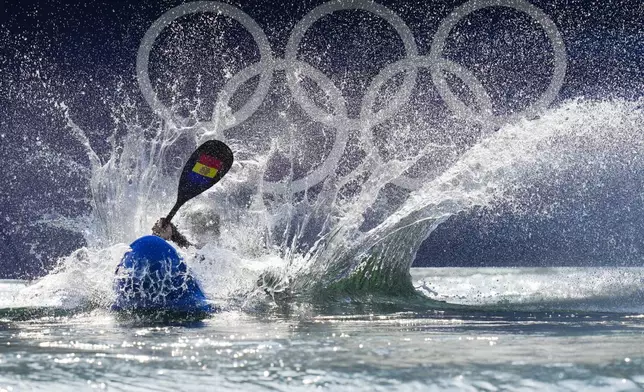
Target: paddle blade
[(206, 166)]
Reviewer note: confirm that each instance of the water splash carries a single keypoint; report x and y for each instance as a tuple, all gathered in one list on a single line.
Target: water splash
[(353, 233), (245, 235), (577, 139)]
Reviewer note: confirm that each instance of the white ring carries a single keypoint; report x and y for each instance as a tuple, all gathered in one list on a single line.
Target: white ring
[(393, 69), (325, 9), (341, 136), (330, 164), (143, 57), (520, 5)]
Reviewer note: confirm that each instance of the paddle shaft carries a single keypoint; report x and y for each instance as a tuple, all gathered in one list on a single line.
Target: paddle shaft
[(172, 212)]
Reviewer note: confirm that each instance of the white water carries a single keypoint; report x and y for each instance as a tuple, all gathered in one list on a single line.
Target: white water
[(136, 185), (581, 140), (606, 289), (554, 350)]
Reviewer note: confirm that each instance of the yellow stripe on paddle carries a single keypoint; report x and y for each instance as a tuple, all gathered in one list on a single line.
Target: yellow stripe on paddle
[(204, 170)]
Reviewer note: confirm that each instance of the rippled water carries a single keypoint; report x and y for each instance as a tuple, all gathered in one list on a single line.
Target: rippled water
[(333, 213), (498, 344)]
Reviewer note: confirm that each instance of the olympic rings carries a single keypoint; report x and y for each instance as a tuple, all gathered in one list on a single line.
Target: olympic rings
[(295, 70)]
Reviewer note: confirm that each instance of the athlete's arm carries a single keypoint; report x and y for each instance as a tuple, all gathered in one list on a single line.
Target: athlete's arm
[(169, 232)]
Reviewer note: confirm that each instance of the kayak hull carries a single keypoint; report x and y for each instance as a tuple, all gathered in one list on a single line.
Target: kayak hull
[(153, 280)]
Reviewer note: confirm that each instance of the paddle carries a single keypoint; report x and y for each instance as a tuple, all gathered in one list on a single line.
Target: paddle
[(205, 167)]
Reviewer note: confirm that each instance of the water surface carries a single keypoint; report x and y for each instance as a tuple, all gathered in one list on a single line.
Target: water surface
[(487, 346)]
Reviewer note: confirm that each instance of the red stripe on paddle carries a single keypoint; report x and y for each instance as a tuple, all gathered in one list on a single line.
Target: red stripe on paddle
[(210, 161)]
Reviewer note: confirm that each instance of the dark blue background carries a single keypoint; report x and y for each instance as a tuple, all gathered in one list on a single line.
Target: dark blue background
[(81, 50)]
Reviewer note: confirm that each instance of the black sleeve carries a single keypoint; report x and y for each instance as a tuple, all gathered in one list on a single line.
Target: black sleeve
[(179, 238)]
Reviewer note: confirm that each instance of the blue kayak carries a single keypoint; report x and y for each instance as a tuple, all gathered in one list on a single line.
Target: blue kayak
[(152, 280)]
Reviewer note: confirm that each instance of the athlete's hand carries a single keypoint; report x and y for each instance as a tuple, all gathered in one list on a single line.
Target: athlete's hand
[(162, 230)]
